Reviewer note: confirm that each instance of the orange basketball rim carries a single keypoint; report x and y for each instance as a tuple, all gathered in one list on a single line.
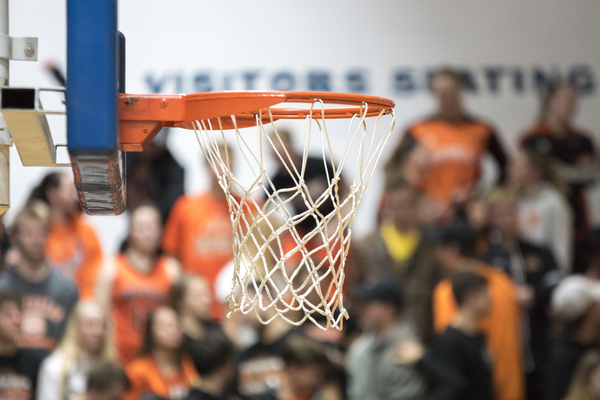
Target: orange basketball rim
[(142, 116)]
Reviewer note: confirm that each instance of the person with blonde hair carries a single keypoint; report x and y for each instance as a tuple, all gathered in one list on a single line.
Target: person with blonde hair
[(586, 381), (87, 340), (545, 217)]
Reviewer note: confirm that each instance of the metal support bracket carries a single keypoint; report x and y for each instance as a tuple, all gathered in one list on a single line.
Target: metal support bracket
[(18, 48), (28, 126)]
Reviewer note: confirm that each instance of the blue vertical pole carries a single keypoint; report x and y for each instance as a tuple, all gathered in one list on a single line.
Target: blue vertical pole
[(92, 118), (92, 114)]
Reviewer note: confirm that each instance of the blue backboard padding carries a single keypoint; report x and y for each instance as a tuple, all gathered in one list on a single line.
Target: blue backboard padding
[(92, 116)]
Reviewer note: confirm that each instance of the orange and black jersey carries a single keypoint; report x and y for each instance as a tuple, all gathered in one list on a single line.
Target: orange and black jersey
[(455, 149)]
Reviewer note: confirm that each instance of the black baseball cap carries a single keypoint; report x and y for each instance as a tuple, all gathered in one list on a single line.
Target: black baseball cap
[(385, 291)]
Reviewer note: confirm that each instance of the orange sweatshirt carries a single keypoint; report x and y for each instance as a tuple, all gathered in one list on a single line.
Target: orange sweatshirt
[(147, 379), (74, 252)]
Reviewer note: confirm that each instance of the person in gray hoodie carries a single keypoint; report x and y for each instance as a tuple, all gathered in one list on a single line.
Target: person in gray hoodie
[(373, 368)]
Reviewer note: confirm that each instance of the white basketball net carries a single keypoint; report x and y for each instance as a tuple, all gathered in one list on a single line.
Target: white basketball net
[(283, 270)]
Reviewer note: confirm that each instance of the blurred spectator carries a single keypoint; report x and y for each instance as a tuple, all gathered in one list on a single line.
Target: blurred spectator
[(18, 367), (161, 370), (48, 298), (555, 134), (454, 143), (305, 363), (106, 381), (545, 217), (458, 365), (590, 254), (198, 233), (535, 274), (137, 282), (586, 381), (87, 340), (154, 176), (192, 298), (214, 361), (576, 307), (456, 251), (260, 366), (72, 249), (400, 250), (4, 245), (372, 367)]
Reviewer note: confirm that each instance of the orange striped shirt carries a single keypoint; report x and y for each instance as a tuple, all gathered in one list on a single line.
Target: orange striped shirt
[(134, 295), (455, 151)]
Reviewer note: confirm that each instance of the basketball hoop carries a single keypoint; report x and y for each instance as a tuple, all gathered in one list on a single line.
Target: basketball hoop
[(290, 244)]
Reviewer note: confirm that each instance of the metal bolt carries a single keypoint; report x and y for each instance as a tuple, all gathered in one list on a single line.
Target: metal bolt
[(145, 130), (29, 50), (163, 103)]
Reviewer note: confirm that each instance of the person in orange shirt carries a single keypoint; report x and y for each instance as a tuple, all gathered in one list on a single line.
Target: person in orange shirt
[(455, 251), (198, 233), (72, 248), (137, 282), (451, 145), (161, 369)]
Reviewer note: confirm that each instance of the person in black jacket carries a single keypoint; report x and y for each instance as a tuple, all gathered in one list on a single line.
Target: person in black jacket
[(534, 271), (154, 176), (213, 359), (458, 365)]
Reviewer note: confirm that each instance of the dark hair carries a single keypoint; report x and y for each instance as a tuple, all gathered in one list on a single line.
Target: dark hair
[(395, 181), (177, 292), (212, 352), (446, 72), (106, 375), (590, 249), (179, 289), (405, 147), (148, 344), (570, 328), (40, 192), (461, 235), (466, 283), (10, 297), (303, 351), (548, 167)]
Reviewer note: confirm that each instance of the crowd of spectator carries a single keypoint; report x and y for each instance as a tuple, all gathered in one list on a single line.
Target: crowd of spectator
[(458, 293)]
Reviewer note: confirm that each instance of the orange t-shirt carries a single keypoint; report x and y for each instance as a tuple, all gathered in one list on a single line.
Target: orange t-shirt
[(199, 234), (501, 329), (134, 295), (455, 151), (147, 379), (73, 251)]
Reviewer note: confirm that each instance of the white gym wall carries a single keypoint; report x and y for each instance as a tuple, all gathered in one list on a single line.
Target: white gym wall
[(377, 47)]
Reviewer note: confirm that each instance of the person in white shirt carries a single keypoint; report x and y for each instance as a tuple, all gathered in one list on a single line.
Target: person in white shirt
[(545, 216)]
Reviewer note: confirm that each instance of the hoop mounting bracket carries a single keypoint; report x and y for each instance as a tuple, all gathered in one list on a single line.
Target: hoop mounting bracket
[(18, 48)]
